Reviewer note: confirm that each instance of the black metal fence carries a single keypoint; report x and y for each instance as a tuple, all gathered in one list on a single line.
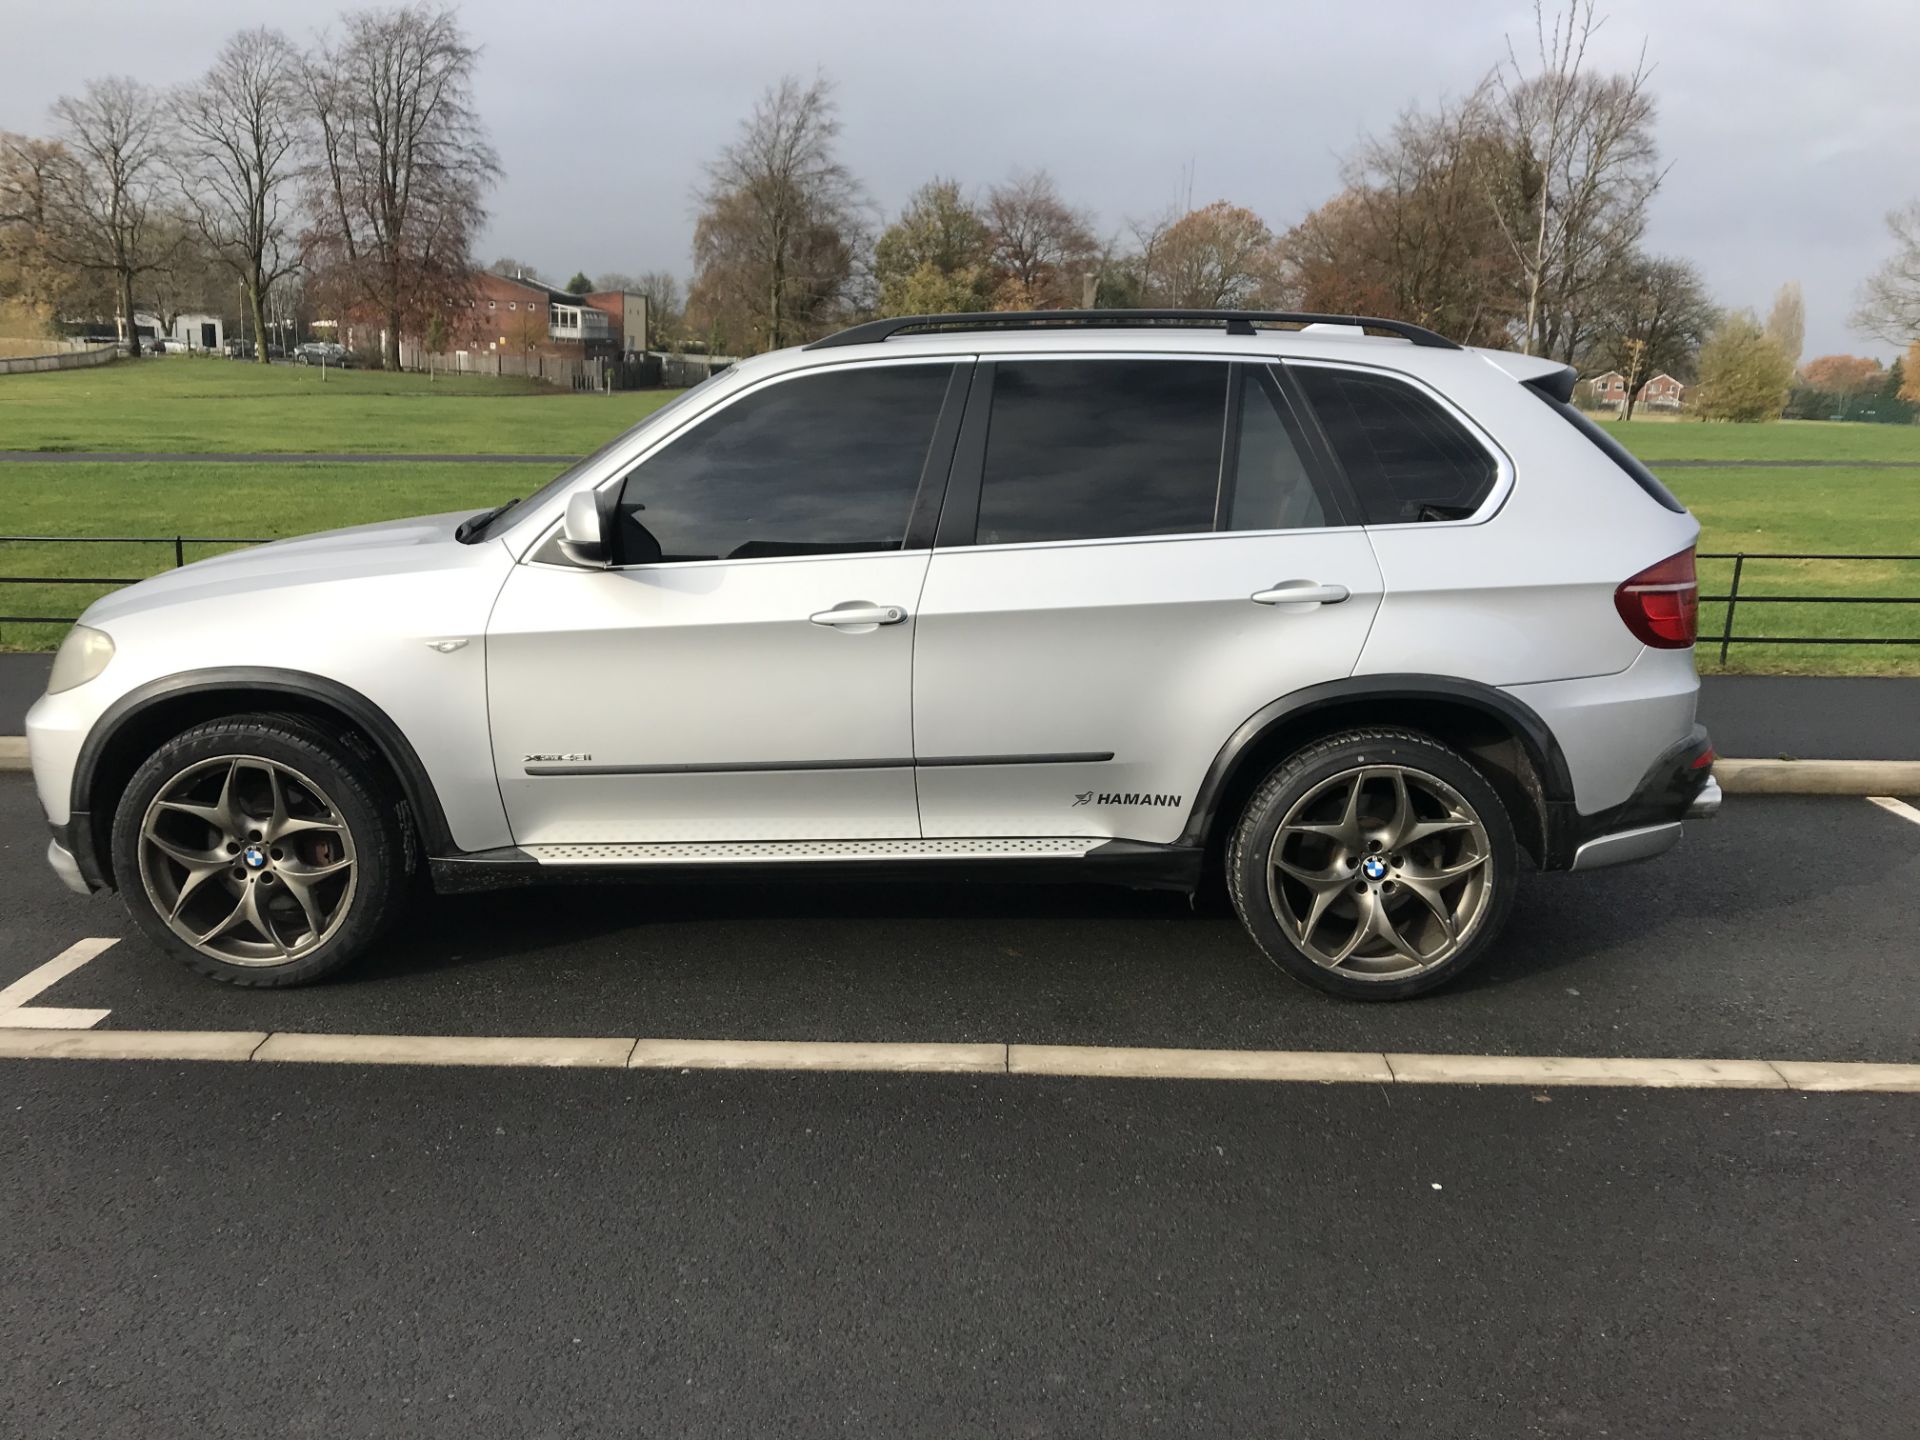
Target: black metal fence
[(1733, 600), (177, 543)]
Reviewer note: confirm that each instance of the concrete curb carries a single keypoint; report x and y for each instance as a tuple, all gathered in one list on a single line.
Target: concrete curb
[(1818, 777), (1737, 777)]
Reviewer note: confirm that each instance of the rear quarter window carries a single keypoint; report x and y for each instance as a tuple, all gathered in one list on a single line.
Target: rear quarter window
[(1406, 459)]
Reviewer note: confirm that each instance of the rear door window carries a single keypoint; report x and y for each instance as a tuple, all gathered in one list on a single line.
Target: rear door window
[(1406, 458), (1094, 449)]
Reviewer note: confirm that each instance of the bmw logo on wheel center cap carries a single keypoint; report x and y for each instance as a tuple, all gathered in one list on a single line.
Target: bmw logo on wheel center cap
[(255, 857), (1373, 867)]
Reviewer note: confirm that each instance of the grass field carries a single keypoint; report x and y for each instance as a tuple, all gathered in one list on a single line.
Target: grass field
[(178, 403), (1825, 440), (194, 403)]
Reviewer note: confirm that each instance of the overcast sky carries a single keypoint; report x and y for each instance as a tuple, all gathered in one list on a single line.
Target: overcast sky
[(1791, 127)]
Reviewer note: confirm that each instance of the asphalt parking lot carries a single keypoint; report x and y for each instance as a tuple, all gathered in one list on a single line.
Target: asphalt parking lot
[(361, 1250)]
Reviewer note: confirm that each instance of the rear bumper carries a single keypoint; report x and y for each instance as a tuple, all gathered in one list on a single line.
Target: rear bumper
[(1678, 786)]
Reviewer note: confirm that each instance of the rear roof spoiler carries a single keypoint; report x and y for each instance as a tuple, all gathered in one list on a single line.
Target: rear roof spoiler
[(1549, 377)]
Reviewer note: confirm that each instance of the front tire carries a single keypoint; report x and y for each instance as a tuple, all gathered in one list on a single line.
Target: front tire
[(1374, 864), (261, 850)]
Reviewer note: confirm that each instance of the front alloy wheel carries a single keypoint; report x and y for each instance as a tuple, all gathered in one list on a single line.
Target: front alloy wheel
[(248, 860), (263, 850)]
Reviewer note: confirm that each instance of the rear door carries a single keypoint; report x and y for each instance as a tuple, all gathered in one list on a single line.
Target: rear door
[(1109, 595)]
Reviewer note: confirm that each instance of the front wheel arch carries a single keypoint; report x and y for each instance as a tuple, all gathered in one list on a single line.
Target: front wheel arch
[(145, 718)]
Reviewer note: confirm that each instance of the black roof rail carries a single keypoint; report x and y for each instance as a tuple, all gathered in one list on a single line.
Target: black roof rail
[(1236, 322)]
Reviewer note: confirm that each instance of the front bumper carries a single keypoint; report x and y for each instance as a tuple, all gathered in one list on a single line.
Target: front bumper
[(1678, 786)]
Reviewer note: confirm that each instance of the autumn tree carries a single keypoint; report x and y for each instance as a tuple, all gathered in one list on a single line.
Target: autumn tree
[(1042, 247), (1844, 374), (1889, 306), (1219, 257), (238, 131), (32, 280), (105, 200), (935, 258), (1571, 186), (404, 163), (779, 227), (1652, 319), (1411, 236), (1910, 375), (1744, 374), (1787, 321)]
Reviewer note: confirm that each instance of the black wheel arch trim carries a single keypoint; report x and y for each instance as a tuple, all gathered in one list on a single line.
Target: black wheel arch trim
[(1535, 736), (386, 737)]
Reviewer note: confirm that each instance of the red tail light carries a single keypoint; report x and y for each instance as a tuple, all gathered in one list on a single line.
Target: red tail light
[(1661, 604)]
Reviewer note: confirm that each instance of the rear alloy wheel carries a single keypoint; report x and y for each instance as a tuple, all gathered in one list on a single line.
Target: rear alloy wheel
[(260, 850), (1375, 865)]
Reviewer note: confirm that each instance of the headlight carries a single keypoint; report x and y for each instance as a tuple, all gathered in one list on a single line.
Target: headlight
[(83, 655)]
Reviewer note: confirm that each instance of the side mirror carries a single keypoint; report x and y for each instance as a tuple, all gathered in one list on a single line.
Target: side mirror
[(583, 533)]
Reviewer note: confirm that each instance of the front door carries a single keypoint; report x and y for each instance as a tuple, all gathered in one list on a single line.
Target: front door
[(1136, 554), (743, 672)]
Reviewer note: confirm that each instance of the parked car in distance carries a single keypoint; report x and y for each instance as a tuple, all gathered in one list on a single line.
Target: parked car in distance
[(320, 352), (240, 350), (1356, 619)]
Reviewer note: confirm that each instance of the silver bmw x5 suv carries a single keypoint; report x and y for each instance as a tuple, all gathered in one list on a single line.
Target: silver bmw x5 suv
[(1356, 618)]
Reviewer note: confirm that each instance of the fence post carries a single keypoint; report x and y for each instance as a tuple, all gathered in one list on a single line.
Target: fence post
[(1733, 598), (179, 552)]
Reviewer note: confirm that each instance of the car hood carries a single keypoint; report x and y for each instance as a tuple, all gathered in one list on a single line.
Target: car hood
[(420, 545)]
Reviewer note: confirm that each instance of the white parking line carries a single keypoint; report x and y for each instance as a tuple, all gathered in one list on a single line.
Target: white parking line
[(1087, 1061), (13, 999), (1895, 807)]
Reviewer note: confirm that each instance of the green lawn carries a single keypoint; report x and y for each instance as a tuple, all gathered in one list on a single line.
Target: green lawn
[(191, 403), (1838, 511), (182, 403), (254, 501), (1657, 440)]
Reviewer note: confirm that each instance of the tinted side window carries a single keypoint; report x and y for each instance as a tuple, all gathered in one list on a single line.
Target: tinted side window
[(1406, 458), (1086, 449), (822, 464), (1269, 488)]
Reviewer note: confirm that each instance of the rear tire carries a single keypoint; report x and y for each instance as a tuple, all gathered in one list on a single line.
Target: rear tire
[(261, 850), (1374, 865)]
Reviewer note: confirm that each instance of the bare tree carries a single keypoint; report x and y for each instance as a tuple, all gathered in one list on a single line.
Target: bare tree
[(513, 269), (1412, 236), (1654, 318), (780, 225), (404, 161), (1572, 187), (103, 202), (1889, 306), (1787, 321), (238, 131), (1042, 246), (29, 274)]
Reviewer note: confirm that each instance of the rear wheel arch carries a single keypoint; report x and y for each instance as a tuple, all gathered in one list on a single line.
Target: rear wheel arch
[(1510, 744), (147, 717)]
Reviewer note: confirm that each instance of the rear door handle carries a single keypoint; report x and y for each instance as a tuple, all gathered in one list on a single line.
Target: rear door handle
[(859, 612), (1300, 592)]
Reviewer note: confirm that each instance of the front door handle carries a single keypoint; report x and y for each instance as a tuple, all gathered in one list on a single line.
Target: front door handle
[(852, 613), (1300, 592)]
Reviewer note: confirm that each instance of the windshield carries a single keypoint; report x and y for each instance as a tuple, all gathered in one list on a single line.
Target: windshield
[(520, 509)]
